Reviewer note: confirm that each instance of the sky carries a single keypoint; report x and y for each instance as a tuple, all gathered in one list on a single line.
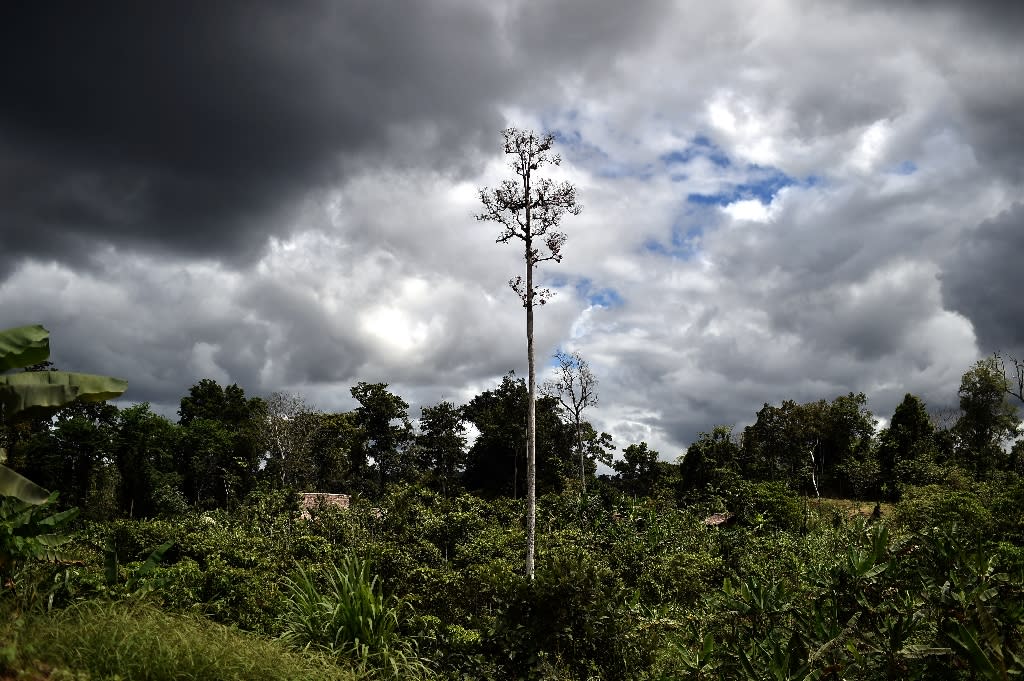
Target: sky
[(782, 199)]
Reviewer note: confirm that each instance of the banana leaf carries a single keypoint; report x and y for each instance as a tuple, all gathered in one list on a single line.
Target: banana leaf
[(54, 389), (23, 346), (15, 485)]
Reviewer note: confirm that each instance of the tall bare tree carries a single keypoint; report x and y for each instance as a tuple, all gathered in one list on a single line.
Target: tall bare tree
[(530, 208), (575, 387)]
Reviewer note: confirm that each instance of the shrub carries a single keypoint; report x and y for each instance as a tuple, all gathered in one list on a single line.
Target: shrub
[(350, 618), (937, 506), (574, 621), (770, 505), (29, 532)]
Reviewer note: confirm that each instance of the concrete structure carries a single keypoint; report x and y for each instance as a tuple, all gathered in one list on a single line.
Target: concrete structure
[(310, 500)]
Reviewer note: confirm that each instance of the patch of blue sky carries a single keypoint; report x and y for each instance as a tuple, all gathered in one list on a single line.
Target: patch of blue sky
[(606, 297), (571, 141), (700, 146), (763, 185), (556, 281), (683, 242), (709, 199), (905, 168), (598, 296)]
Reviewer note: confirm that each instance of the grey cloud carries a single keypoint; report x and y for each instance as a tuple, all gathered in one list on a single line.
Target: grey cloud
[(198, 128), (183, 135), (584, 33), (983, 280), (996, 127), (1000, 17), (978, 48), (192, 127)]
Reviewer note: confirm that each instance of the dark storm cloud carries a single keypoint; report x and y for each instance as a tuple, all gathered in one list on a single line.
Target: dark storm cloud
[(983, 67), (984, 281), (1003, 16), (190, 125), (580, 31), (197, 127), (997, 127)]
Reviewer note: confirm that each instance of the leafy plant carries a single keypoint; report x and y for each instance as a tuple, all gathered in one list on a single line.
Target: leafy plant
[(350, 618), (138, 582), (40, 391), (29, 532)]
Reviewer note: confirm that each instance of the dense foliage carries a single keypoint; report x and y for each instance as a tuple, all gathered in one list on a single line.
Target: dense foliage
[(724, 564)]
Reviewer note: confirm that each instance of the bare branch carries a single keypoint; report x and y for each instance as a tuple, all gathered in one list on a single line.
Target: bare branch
[(1014, 384), (287, 433), (575, 387), (531, 208)]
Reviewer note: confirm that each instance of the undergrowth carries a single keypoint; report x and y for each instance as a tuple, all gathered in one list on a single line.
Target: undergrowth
[(107, 641)]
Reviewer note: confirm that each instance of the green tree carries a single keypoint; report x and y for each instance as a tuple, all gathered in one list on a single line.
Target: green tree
[(212, 477), (208, 400), (218, 448), (596, 447), (496, 462), (710, 454), (778, 445), (442, 443), (530, 209), (988, 419), (75, 454), (637, 470), (144, 451), (908, 439), (811, 447), (385, 434), (848, 444), (337, 446)]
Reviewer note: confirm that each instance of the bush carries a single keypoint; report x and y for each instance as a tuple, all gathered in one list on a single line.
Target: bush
[(930, 506), (574, 621), (770, 505), (350, 618)]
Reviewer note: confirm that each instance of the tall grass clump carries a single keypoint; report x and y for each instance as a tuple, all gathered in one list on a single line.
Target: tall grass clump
[(350, 618), (138, 641)]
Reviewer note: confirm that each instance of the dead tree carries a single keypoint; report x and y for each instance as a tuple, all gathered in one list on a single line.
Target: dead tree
[(1014, 383), (575, 387), (530, 208)]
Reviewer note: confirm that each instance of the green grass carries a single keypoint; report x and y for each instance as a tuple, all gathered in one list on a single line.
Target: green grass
[(105, 641), (350, 618)]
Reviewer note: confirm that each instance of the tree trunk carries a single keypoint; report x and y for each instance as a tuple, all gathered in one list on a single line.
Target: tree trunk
[(579, 445), (531, 454), (531, 416)]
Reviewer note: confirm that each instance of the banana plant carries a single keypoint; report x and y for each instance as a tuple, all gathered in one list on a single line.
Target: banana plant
[(40, 391), (30, 532)]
